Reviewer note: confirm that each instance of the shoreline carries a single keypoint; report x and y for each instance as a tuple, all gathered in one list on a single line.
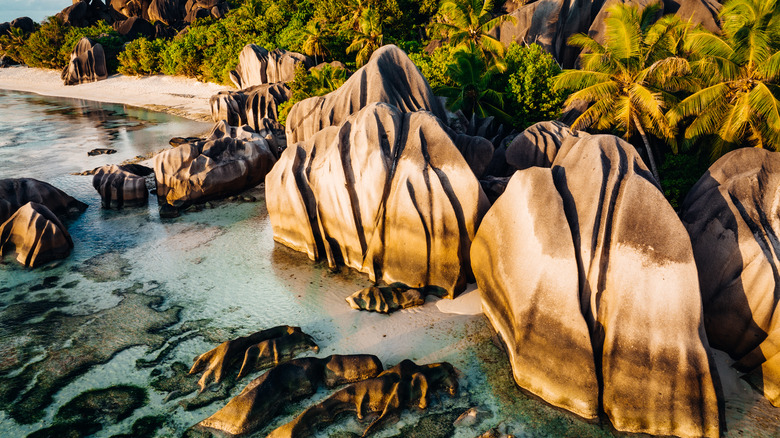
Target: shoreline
[(176, 95)]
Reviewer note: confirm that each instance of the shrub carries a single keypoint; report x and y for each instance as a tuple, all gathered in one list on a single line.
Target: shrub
[(528, 90), (434, 66), (141, 57)]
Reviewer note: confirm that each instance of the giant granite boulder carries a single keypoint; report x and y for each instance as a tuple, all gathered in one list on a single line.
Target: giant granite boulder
[(122, 186), (15, 192), (589, 278), (732, 217), (228, 161), (387, 193), (87, 63), (257, 66), (36, 235), (389, 76), (250, 105)]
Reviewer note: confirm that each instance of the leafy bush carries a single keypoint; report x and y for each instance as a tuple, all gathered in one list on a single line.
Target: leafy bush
[(529, 94), (141, 57), (678, 174), (315, 82), (41, 48), (434, 66)]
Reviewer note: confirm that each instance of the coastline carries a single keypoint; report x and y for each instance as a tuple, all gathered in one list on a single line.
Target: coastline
[(176, 95)]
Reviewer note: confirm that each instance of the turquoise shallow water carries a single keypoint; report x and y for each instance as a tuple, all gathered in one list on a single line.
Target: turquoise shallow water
[(139, 294)]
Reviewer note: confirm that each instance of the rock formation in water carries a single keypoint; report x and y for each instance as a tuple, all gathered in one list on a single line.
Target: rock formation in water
[(404, 386), (228, 161), (87, 63), (35, 235), (386, 299), (258, 66), (122, 186), (389, 76), (589, 278), (268, 394), (259, 350), (732, 217), (401, 209), (550, 23), (15, 192)]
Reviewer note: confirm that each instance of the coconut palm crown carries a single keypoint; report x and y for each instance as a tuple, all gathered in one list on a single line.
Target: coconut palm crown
[(627, 79), (469, 21), (738, 105)]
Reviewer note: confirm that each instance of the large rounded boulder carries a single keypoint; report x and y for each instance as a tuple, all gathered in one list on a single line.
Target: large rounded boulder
[(87, 63), (589, 278), (228, 161), (258, 66), (732, 217), (122, 186), (389, 76), (387, 193), (35, 235)]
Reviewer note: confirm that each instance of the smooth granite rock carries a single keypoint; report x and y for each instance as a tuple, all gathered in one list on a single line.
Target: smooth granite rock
[(35, 235), (258, 66), (87, 63), (122, 186)]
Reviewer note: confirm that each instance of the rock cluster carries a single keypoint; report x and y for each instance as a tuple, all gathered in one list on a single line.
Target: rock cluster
[(589, 278), (387, 193), (122, 186), (87, 63), (228, 161), (732, 217), (258, 66), (29, 225), (256, 106), (550, 23)]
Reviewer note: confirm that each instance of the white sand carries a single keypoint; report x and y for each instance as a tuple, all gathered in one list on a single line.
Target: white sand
[(176, 95)]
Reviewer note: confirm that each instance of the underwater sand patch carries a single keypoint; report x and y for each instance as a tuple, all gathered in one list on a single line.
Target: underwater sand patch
[(109, 266)]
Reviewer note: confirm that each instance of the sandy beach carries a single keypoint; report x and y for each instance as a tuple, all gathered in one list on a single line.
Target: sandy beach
[(184, 97)]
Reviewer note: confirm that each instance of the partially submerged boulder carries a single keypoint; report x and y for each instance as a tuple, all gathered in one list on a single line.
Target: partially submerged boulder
[(87, 63), (386, 193), (15, 192), (36, 235), (732, 217), (122, 186), (389, 76), (228, 161), (258, 66), (608, 320)]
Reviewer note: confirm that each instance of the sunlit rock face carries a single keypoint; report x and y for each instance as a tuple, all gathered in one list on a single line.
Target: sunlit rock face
[(122, 186), (537, 145), (87, 63), (386, 193), (225, 163), (589, 278), (389, 76), (732, 217), (35, 235), (258, 66), (249, 106)]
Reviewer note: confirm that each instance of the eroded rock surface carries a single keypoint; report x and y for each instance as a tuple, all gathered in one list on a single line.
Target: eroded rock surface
[(228, 161), (406, 385), (35, 235), (265, 396), (537, 145), (249, 106), (732, 217), (122, 186), (258, 66), (403, 209), (389, 76), (386, 299), (87, 63), (609, 320)]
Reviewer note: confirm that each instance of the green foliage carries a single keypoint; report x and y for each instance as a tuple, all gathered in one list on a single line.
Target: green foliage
[(530, 96), (469, 21), (41, 48), (369, 38), (141, 57), (434, 66), (678, 174), (102, 33), (314, 82)]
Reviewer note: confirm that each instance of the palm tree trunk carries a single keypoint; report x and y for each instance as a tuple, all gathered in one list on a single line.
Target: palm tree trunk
[(649, 150)]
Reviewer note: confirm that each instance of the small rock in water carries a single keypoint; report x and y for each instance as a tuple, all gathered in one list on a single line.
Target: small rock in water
[(101, 151), (470, 417), (168, 211), (248, 199), (386, 299)]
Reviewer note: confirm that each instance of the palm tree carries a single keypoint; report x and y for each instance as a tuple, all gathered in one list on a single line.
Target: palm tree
[(314, 40), (739, 105), (326, 79), (473, 73), (470, 21), (369, 37), (623, 78)]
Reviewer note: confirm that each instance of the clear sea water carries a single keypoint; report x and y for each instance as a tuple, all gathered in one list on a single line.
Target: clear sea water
[(139, 293)]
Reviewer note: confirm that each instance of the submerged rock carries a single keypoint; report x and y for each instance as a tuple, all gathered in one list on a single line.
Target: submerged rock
[(588, 277), (389, 76), (228, 161), (386, 193), (258, 66), (265, 396), (732, 217), (106, 405), (35, 235), (87, 63), (122, 186), (406, 385)]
